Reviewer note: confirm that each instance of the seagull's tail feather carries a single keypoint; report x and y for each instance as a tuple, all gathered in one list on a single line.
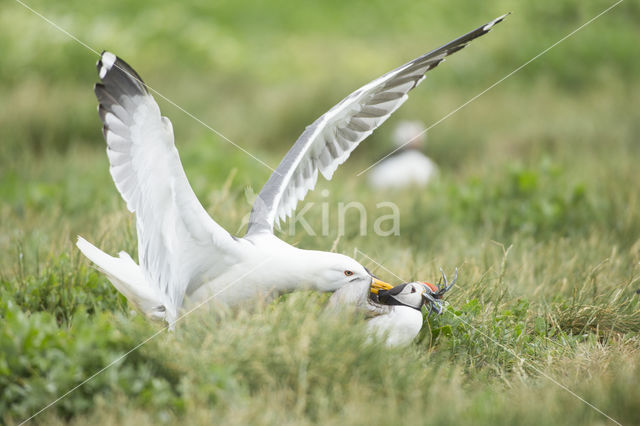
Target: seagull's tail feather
[(128, 278)]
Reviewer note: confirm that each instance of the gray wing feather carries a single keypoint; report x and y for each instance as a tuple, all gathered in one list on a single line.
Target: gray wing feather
[(329, 141)]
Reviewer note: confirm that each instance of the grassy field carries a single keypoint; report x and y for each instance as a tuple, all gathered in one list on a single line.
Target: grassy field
[(537, 205)]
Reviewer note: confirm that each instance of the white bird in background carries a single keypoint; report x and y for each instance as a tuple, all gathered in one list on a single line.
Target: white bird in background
[(184, 256), (407, 166)]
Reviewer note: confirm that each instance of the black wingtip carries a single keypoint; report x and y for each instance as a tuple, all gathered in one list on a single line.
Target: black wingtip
[(503, 17), (118, 77), (102, 112), (491, 24)]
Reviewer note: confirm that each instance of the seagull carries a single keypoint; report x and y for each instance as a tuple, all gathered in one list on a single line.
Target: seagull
[(396, 313), (407, 166), (184, 257)]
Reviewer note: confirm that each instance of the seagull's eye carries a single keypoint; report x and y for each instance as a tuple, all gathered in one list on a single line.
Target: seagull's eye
[(348, 273)]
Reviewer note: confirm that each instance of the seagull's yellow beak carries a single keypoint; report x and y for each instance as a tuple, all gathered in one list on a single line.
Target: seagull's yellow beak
[(377, 285)]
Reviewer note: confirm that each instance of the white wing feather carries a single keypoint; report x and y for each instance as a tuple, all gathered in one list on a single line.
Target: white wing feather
[(177, 239)]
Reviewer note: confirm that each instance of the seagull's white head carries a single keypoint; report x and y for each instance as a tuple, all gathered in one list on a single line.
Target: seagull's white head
[(332, 271)]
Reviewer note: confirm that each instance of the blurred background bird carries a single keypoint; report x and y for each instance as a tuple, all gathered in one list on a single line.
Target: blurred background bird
[(408, 165)]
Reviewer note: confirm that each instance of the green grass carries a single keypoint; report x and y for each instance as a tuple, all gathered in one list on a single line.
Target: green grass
[(537, 205)]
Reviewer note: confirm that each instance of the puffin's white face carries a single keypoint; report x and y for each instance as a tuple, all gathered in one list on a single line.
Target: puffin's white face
[(338, 270), (413, 295), (410, 294)]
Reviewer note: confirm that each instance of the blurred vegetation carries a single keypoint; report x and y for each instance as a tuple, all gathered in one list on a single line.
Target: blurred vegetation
[(537, 204)]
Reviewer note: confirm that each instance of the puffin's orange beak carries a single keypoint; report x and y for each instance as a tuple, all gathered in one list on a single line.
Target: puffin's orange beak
[(377, 285)]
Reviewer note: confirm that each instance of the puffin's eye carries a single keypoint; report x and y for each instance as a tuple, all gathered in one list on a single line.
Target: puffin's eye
[(348, 273), (413, 289)]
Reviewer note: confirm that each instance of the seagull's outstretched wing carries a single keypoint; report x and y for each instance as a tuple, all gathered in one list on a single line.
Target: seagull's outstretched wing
[(176, 236), (329, 141)]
